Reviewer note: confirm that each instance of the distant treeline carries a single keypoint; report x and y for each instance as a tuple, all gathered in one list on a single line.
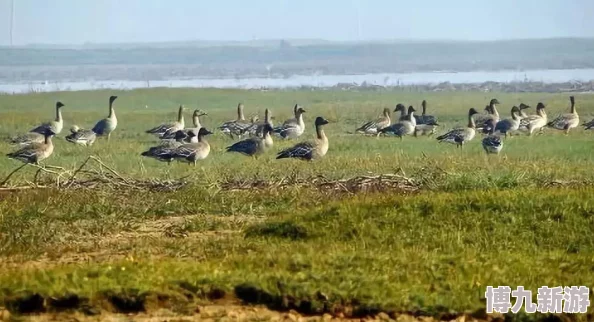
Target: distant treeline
[(326, 58)]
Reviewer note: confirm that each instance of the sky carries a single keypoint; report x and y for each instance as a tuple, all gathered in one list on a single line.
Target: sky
[(124, 21)]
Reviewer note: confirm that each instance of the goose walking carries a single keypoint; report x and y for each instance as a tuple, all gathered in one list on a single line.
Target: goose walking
[(55, 125), (567, 121), (535, 122), (509, 125), (109, 124), (309, 150), (35, 152), (492, 143), (236, 127), (292, 128), (373, 127), (402, 128), (81, 136), (170, 128), (463, 135), (255, 145), (192, 152)]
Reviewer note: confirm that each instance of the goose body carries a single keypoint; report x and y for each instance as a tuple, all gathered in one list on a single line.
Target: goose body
[(55, 125), (309, 150), (35, 152), (510, 124), (482, 121), (166, 150), (170, 127), (236, 127), (81, 136), (425, 118), (292, 128), (255, 145), (462, 135), (257, 128), (107, 125), (373, 127), (535, 122), (588, 125), (492, 143), (567, 121), (192, 152), (197, 125), (402, 128)]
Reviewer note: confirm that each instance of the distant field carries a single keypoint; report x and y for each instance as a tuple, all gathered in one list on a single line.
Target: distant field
[(524, 217)]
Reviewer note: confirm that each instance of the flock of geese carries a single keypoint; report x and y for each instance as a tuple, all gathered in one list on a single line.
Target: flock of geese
[(179, 143)]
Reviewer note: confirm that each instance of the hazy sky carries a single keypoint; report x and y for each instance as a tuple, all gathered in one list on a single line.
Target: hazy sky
[(109, 21)]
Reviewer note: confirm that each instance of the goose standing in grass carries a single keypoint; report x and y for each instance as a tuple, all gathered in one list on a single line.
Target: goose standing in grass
[(535, 122), (165, 151), (257, 128), (373, 127), (492, 143), (426, 124), (197, 125), (109, 124), (292, 128), (170, 128), (463, 135), (509, 125), (402, 128), (255, 145), (81, 136), (567, 121), (483, 120), (236, 127), (35, 152), (192, 152), (55, 125), (309, 150)]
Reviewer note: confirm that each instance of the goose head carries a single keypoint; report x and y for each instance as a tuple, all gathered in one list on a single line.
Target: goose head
[(399, 108), (411, 109), (300, 110), (59, 105), (203, 131), (74, 129), (49, 133), (540, 106), (321, 121), (494, 102), (524, 106), (386, 111), (267, 129), (112, 98), (472, 111)]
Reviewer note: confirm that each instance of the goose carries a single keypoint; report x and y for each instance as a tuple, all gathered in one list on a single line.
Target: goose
[(26, 139), (55, 125), (373, 127), (402, 128), (195, 120), (483, 120), (566, 121), (257, 128), (170, 127), (510, 124), (588, 125), (309, 150), (164, 152), (462, 135), (522, 107), (403, 114), (35, 152), (292, 128), (424, 118), (535, 122), (109, 124), (81, 136), (235, 127), (255, 145), (192, 152), (492, 143)]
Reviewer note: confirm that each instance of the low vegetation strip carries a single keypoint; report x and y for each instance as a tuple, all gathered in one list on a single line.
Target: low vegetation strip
[(430, 253)]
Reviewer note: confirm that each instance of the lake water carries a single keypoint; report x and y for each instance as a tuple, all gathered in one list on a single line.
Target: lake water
[(546, 76)]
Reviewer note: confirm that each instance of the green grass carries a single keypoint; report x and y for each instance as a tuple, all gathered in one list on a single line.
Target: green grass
[(476, 220)]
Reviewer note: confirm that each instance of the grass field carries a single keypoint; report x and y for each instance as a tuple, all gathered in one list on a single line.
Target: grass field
[(525, 217)]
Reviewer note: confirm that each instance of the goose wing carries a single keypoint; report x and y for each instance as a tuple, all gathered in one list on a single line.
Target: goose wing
[(426, 119), (164, 153), (374, 126), (100, 127), (81, 137), (302, 150), (43, 128), (27, 153), (453, 136), (561, 121), (164, 128), (27, 138), (588, 125)]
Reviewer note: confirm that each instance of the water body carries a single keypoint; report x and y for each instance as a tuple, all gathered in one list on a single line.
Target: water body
[(545, 76)]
